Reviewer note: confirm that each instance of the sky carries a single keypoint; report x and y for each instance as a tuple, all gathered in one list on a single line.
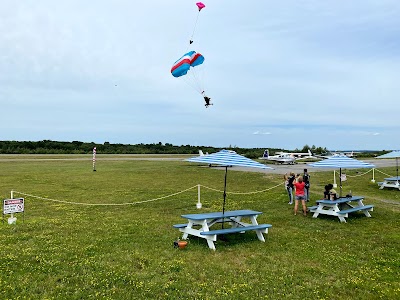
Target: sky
[(281, 74)]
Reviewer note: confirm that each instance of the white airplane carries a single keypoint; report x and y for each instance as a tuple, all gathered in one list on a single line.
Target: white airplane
[(286, 157), (336, 153), (201, 153)]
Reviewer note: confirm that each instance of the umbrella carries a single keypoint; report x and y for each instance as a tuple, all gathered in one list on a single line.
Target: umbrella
[(393, 154), (227, 158), (341, 161)]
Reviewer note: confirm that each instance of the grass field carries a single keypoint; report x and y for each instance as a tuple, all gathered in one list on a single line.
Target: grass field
[(75, 251)]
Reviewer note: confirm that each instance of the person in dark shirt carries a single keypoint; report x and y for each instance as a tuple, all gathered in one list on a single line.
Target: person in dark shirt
[(306, 180), (289, 185)]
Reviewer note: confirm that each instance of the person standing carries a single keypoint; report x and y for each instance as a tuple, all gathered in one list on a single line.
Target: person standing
[(306, 180), (299, 185), (289, 181)]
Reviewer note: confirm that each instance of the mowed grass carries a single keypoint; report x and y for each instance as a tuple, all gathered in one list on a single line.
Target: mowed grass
[(75, 251)]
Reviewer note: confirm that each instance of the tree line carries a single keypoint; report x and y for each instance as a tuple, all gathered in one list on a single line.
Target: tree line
[(77, 147)]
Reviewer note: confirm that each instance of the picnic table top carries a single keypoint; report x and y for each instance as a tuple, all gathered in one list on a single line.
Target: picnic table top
[(341, 200), (392, 178), (226, 214)]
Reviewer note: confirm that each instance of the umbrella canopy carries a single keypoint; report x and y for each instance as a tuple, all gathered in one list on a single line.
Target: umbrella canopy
[(393, 154), (339, 162), (227, 158)]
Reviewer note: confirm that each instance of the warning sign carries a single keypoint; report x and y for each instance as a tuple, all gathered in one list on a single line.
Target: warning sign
[(12, 206)]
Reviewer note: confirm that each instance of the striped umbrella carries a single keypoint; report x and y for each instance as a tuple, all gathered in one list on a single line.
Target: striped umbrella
[(227, 158), (393, 154), (339, 162)]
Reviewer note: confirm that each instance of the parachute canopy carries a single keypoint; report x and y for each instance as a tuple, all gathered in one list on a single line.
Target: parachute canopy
[(182, 65), (200, 5)]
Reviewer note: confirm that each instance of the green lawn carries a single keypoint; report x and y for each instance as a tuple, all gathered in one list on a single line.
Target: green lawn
[(73, 251)]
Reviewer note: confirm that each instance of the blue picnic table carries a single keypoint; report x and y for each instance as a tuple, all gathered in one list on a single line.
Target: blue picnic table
[(391, 182), (200, 225), (341, 207)]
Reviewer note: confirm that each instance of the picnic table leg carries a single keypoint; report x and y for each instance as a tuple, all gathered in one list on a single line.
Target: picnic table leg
[(336, 209), (185, 235), (260, 236), (210, 239), (366, 212), (210, 244)]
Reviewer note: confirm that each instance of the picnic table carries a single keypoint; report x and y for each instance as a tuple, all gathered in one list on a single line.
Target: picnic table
[(200, 225), (391, 182), (341, 207)]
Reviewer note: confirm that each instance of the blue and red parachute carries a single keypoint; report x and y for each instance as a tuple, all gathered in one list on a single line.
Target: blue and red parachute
[(187, 61)]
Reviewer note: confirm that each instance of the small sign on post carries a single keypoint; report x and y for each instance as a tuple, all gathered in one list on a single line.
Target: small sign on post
[(12, 206)]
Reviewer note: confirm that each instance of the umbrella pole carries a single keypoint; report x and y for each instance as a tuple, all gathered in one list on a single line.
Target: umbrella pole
[(223, 205), (340, 182)]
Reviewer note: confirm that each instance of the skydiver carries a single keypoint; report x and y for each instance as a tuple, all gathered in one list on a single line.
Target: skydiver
[(207, 99)]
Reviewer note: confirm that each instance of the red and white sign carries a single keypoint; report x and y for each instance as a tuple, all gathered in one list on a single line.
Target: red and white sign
[(12, 206)]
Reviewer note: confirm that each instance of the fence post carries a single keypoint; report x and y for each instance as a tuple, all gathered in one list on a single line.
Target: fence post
[(373, 175), (198, 205), (334, 179)]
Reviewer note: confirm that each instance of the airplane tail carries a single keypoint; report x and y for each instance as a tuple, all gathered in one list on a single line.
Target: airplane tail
[(201, 153), (309, 152), (266, 153)]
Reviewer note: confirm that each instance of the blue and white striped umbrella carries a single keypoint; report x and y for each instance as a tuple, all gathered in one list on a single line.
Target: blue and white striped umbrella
[(393, 154), (227, 158), (339, 162)]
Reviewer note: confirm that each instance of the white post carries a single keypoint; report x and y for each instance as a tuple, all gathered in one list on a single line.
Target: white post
[(373, 175), (198, 205), (94, 159), (12, 219), (334, 179)]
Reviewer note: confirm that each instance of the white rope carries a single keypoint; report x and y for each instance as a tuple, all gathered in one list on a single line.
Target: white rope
[(104, 204), (247, 193), (358, 175), (383, 173)]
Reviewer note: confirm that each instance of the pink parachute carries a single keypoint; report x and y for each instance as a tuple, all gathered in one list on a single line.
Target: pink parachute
[(200, 5)]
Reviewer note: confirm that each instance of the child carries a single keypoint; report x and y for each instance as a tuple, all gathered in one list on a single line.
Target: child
[(300, 196), (330, 193)]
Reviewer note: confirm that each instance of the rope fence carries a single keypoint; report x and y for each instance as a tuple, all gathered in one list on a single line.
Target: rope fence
[(359, 175), (143, 201), (383, 173), (180, 192), (103, 204), (246, 193)]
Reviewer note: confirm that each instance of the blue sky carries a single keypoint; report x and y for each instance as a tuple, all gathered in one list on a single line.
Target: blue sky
[(280, 73)]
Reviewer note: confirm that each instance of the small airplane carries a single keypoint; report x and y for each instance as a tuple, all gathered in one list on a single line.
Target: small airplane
[(286, 157), (201, 153), (336, 153)]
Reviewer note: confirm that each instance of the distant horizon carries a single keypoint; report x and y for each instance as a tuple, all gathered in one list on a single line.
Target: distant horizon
[(200, 146)]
